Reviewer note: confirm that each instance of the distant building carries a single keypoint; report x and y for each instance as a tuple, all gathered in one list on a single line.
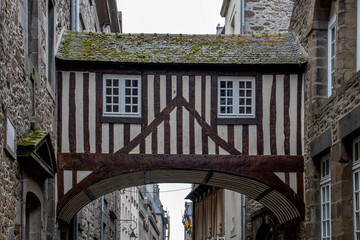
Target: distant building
[(188, 221), (256, 17)]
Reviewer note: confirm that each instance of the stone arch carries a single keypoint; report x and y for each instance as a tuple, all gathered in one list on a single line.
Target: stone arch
[(32, 216)]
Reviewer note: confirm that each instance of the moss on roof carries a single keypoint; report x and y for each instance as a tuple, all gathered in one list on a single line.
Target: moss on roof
[(180, 49), (32, 138)]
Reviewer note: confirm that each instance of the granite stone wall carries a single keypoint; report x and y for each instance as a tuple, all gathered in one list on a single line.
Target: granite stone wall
[(323, 114), (266, 17)]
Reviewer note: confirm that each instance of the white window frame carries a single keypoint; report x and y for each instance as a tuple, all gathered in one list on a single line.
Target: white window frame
[(325, 192), (358, 36), (235, 98), (356, 187), (331, 50), (121, 96)]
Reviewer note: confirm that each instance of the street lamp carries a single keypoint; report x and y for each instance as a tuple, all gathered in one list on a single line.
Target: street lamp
[(132, 235)]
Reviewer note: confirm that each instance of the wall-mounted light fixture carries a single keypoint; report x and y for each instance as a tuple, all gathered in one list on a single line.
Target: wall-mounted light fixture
[(132, 235)]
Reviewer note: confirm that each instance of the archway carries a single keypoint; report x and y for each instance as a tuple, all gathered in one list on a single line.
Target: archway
[(33, 217)]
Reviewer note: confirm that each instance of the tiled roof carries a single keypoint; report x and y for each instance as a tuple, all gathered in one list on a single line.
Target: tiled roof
[(180, 49)]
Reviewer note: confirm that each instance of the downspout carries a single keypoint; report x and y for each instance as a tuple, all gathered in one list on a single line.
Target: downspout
[(243, 218), (77, 15), (72, 15), (117, 212), (242, 16), (102, 219)]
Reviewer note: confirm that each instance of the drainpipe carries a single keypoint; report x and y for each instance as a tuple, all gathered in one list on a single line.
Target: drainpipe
[(72, 15), (243, 218), (242, 16), (77, 15), (117, 212), (102, 219)]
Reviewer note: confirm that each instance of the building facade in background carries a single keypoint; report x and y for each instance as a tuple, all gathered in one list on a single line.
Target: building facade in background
[(256, 17), (29, 33), (329, 33)]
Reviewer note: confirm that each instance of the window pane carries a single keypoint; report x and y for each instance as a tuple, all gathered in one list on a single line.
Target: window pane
[(229, 110), (127, 83), (248, 110), (248, 93), (135, 92), (108, 91), (222, 110), (116, 108), (242, 93), (242, 102), (127, 108), (358, 221), (134, 109), (116, 99), (248, 84), (135, 100), (229, 84), (116, 82), (108, 108), (135, 83), (229, 93), (116, 91), (222, 101), (222, 84), (128, 91), (108, 82), (127, 100), (248, 101), (108, 99), (223, 93), (241, 110), (241, 84), (356, 151), (229, 101), (357, 201), (356, 181)]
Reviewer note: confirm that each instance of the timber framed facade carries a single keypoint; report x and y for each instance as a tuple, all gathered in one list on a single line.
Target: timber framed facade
[(179, 136)]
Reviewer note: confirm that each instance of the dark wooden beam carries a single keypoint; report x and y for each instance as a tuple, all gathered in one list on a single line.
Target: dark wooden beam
[(233, 164)]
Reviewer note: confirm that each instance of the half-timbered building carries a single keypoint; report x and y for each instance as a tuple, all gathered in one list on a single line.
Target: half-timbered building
[(223, 111)]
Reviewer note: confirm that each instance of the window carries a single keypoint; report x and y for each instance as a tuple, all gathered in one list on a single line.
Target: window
[(236, 97), (325, 189), (331, 50), (356, 187), (122, 96)]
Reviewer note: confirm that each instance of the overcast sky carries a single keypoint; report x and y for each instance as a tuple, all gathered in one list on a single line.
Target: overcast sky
[(171, 16)]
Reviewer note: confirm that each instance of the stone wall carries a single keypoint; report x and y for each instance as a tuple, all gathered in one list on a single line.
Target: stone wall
[(265, 17), (323, 113)]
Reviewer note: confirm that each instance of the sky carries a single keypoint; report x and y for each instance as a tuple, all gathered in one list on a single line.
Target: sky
[(172, 197), (170, 16), (174, 17)]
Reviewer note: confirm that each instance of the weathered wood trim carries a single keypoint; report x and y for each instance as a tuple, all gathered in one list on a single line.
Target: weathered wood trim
[(144, 107), (245, 140), (273, 149), (149, 129), (232, 164), (300, 184), (74, 178), (208, 129), (132, 120), (231, 140), (59, 112), (179, 117), (156, 112), (86, 113), (60, 182), (286, 114), (127, 134), (299, 117), (111, 137), (167, 119), (205, 149), (191, 117), (236, 121), (72, 113), (259, 115), (99, 94)]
